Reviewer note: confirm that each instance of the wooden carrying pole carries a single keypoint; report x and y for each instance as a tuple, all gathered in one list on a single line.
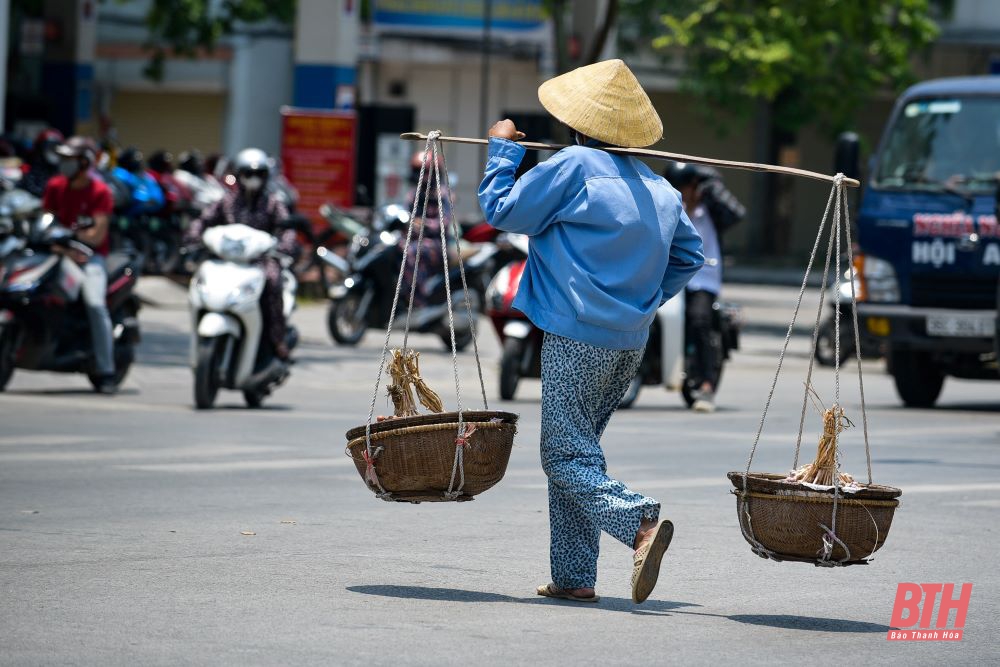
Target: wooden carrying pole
[(658, 155)]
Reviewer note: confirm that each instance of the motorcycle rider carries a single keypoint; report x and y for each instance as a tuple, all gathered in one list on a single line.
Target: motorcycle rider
[(84, 203), (146, 196), (431, 257), (44, 162), (713, 210), (251, 204)]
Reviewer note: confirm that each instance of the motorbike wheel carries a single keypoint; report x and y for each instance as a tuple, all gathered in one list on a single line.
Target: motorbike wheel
[(8, 345), (688, 388), (632, 393), (462, 340), (826, 342), (254, 399), (510, 367), (123, 362), (206, 372), (347, 326)]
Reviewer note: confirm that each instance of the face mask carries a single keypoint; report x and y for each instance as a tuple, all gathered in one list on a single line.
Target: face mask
[(69, 168), (51, 157), (251, 183)]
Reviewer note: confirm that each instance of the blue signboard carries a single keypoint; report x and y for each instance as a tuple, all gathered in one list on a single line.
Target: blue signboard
[(520, 16)]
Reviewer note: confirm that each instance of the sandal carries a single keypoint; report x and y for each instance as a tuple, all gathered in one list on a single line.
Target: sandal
[(647, 559), (553, 591)]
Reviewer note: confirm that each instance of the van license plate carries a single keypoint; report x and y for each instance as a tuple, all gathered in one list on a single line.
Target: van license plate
[(961, 326)]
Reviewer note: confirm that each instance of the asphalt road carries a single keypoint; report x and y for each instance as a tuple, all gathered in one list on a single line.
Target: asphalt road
[(122, 523)]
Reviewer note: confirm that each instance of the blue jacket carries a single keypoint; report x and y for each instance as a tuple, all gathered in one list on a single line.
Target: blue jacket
[(147, 195), (610, 241)]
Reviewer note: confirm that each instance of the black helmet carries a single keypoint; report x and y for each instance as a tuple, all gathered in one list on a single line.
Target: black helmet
[(680, 174), (162, 162), (131, 159)]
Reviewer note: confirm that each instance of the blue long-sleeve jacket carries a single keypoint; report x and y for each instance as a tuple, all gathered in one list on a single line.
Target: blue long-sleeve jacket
[(610, 241)]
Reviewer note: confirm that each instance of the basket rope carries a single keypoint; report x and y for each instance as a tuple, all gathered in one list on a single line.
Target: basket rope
[(428, 179), (837, 201)]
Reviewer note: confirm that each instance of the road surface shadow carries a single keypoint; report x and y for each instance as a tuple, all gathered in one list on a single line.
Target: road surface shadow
[(650, 608), (460, 595), (71, 391), (787, 622)]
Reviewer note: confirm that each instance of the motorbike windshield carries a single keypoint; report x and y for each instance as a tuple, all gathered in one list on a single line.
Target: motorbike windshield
[(943, 144)]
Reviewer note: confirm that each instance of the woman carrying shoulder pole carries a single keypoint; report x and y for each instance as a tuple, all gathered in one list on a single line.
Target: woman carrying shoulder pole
[(610, 243)]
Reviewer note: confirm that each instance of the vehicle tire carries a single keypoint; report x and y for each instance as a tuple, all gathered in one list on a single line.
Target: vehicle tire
[(826, 342), (254, 399), (918, 380), (346, 326), (8, 343), (206, 372), (124, 356), (688, 388), (462, 340), (510, 367), (632, 393)]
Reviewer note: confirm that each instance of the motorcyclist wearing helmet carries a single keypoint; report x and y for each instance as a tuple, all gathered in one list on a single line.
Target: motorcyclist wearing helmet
[(431, 258), (44, 162), (251, 204), (83, 203), (146, 196), (712, 209)]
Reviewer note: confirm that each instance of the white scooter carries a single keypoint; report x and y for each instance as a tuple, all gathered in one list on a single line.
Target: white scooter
[(228, 346), (668, 358)]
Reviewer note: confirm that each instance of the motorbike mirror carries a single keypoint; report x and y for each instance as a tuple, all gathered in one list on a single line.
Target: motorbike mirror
[(847, 157)]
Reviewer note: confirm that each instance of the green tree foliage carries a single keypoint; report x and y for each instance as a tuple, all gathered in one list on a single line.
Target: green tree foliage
[(811, 60), (183, 27)]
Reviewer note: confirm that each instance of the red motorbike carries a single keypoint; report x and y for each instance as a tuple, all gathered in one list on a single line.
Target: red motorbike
[(521, 340)]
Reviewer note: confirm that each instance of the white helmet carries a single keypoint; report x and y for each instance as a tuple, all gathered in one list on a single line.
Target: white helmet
[(252, 167), (252, 159)]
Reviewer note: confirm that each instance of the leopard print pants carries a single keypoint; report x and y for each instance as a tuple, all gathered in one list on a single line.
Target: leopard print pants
[(581, 388)]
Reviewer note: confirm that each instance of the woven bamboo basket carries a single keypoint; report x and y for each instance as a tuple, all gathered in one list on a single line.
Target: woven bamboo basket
[(788, 519), (416, 455)]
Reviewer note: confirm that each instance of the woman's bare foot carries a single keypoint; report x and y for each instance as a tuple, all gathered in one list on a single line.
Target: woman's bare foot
[(647, 529), (581, 592)]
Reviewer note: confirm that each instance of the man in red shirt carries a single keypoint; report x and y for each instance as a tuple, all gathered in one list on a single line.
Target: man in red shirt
[(83, 203)]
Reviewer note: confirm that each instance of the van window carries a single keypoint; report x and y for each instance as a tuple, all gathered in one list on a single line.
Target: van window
[(943, 142)]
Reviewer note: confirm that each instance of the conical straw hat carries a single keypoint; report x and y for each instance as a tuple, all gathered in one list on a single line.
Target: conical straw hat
[(605, 102)]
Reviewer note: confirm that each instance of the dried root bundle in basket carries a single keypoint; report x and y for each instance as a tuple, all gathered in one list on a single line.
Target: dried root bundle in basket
[(404, 369), (822, 470)]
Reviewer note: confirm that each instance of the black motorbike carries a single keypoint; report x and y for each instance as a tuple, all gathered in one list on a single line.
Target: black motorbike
[(364, 299), (654, 369), (43, 324)]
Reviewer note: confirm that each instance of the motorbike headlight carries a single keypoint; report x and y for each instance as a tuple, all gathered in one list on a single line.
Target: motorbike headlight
[(875, 280)]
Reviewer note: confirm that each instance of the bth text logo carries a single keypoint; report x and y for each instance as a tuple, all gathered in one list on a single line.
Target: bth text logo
[(914, 609)]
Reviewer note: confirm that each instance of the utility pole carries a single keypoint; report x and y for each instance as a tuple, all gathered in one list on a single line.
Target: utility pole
[(484, 78)]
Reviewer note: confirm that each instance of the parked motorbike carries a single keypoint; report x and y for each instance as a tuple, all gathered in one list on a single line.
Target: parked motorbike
[(364, 299), (18, 208), (826, 341), (229, 348), (43, 325), (669, 359)]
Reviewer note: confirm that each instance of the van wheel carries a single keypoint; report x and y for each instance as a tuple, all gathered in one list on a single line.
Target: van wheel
[(918, 379), (206, 372)]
